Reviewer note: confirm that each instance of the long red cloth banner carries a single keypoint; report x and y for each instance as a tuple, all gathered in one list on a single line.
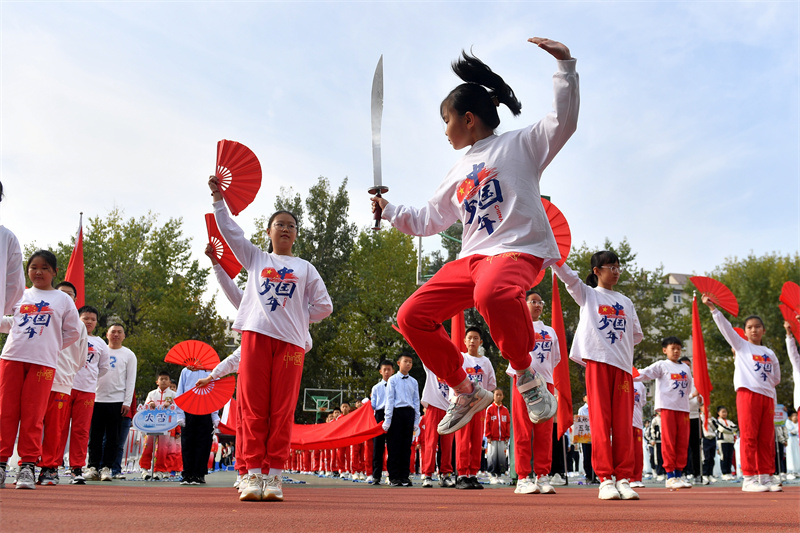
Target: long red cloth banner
[(354, 428)]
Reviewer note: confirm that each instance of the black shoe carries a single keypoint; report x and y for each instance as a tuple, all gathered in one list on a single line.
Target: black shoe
[(376, 481), (463, 483), (475, 483), (186, 481), (201, 480), (395, 483), (407, 482)]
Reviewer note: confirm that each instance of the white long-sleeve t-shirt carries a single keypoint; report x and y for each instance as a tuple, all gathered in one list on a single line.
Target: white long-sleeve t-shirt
[(45, 322), (71, 360), (673, 384), (639, 399), (494, 188), (97, 364), (159, 396), (755, 368), (545, 354), (12, 274), (608, 328), (794, 358), (480, 370), (118, 383), (284, 294), (436, 392)]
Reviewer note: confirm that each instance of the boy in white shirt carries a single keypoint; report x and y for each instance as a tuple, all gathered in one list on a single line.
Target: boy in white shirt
[(159, 398)]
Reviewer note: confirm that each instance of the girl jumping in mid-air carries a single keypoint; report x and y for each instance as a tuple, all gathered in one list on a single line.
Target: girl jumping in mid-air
[(283, 295), (507, 239), (607, 332)]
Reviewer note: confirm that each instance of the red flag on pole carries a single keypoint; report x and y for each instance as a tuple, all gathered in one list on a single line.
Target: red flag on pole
[(561, 371), (457, 331), (699, 364), (75, 268)]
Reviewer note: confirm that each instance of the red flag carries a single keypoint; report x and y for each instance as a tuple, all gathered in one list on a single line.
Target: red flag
[(359, 426), (561, 371), (75, 268), (457, 332), (699, 364)]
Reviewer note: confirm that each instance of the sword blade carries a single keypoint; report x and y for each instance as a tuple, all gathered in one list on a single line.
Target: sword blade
[(377, 113)]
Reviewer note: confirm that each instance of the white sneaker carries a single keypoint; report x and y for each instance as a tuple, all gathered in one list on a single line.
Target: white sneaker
[(660, 477), (625, 491), (91, 474), (674, 483), (608, 491), (253, 488), (2, 478), (526, 485), (751, 484), (237, 482), (557, 480), (637, 485), (544, 485), (727, 477), (493, 480), (541, 404), (26, 478), (463, 408), (686, 482), (105, 474), (370, 479), (768, 481), (273, 489)]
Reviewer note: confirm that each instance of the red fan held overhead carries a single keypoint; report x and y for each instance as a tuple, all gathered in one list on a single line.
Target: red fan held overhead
[(718, 293), (224, 255), (560, 227), (193, 354), (239, 174), (790, 316), (206, 400), (790, 295)]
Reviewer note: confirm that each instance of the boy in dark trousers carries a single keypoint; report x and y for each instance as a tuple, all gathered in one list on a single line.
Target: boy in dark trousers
[(401, 421)]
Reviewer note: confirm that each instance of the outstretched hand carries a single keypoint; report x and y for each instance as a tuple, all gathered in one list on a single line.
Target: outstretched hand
[(554, 48), (209, 251), (213, 184), (202, 382), (708, 302), (788, 327)]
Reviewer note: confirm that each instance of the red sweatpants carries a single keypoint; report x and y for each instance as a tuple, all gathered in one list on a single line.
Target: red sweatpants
[(56, 419), (269, 382), (638, 455), (429, 439), (343, 459), (756, 431), (79, 409), (610, 394), (357, 457), (162, 450), (24, 390), (674, 439), (238, 451), (542, 447), (368, 457), (468, 447), (495, 286)]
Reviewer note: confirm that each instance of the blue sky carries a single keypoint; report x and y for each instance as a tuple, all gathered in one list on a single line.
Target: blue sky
[(687, 142)]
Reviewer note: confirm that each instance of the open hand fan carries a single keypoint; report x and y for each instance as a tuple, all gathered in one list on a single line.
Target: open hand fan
[(718, 293), (790, 295), (239, 174), (560, 227), (193, 353), (790, 316), (222, 251), (206, 400)]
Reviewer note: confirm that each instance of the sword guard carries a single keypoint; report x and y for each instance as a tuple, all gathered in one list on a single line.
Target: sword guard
[(377, 191)]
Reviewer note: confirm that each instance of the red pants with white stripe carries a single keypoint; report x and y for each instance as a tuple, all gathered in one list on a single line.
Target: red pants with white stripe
[(674, 439), (495, 286), (163, 448), (56, 419), (269, 382), (542, 447), (238, 451), (756, 431), (610, 393), (343, 459), (79, 410), (468, 447), (24, 390), (357, 457), (429, 439), (638, 455)]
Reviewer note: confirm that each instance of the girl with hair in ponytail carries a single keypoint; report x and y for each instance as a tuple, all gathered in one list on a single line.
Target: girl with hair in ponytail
[(506, 240), (283, 295), (607, 332)]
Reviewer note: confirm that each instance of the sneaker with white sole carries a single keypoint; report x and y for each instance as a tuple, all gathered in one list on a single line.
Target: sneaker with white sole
[(77, 477), (673, 483), (237, 482), (542, 405), (253, 488), (557, 480), (91, 474), (526, 485), (544, 485), (105, 474), (768, 481), (26, 479), (273, 489), (2, 478), (462, 408), (637, 485), (752, 484), (426, 482), (608, 491), (687, 484), (625, 491)]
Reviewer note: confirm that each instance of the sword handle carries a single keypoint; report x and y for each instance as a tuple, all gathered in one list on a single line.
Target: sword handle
[(378, 210)]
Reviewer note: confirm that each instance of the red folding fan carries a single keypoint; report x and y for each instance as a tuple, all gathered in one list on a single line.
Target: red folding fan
[(790, 295), (222, 251), (206, 400), (560, 227), (790, 316), (194, 354), (718, 293), (239, 174)]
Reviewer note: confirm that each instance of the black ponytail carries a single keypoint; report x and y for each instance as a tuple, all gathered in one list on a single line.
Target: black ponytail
[(482, 93), (600, 259)]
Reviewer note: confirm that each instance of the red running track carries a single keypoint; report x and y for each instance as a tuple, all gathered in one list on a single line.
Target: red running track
[(169, 507)]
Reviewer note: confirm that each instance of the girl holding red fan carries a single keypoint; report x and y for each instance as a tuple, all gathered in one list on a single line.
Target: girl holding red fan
[(607, 332), (794, 358), (507, 239), (283, 295), (756, 374)]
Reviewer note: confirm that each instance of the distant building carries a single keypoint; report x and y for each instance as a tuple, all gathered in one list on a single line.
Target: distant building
[(679, 296)]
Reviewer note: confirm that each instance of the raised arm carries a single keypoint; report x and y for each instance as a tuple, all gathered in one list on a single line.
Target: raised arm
[(733, 338), (229, 288), (576, 288), (244, 250)]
